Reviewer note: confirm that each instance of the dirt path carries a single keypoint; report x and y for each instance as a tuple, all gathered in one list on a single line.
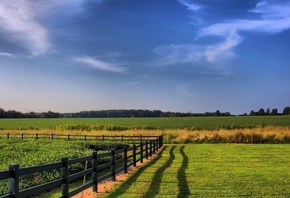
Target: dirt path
[(107, 185)]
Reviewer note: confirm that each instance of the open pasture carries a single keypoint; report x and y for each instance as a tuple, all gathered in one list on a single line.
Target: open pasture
[(207, 170), (189, 123)]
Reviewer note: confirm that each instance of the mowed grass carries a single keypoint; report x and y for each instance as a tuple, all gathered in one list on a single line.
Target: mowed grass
[(193, 123), (207, 170)]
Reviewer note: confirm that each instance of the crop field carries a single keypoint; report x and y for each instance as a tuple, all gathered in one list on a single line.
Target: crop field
[(212, 170), (35, 152), (111, 124)]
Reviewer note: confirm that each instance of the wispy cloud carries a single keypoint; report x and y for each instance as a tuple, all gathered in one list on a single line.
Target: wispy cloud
[(4, 54), (271, 18), (194, 9), (190, 5), (223, 50), (274, 18), (183, 89), (18, 22), (99, 64), (184, 53)]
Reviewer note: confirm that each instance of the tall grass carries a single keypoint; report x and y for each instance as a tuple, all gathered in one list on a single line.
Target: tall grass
[(251, 135)]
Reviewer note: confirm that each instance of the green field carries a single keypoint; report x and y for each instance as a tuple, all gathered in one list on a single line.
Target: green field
[(205, 170), (35, 152), (150, 123)]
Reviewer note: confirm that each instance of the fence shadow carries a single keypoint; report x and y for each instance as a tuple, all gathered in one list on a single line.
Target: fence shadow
[(126, 185), (156, 181), (182, 182)]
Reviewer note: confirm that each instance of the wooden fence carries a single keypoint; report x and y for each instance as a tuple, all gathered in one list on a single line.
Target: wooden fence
[(81, 137), (120, 160)]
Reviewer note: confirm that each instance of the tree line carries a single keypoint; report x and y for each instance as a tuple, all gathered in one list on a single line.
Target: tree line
[(131, 113), (106, 114), (262, 112)]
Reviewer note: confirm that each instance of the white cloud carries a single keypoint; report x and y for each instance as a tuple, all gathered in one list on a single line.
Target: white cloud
[(7, 55), (275, 18), (184, 53), (18, 22), (99, 64), (190, 5), (270, 10), (198, 54), (272, 18), (224, 50), (194, 10), (183, 89)]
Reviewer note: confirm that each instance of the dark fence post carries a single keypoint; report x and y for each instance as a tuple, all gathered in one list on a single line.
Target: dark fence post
[(141, 138), (113, 165), (52, 136), (141, 152), (122, 138), (36, 136), (13, 183), (8, 136), (85, 137), (22, 136), (64, 176), (103, 138), (157, 144), (125, 160), (150, 148), (68, 137), (153, 141), (146, 148), (95, 171), (134, 155)]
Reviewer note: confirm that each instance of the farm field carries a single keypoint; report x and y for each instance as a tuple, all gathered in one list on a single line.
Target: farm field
[(212, 170), (32, 152), (190, 123)]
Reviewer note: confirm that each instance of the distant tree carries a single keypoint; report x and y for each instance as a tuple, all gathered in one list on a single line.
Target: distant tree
[(286, 111), (217, 113), (31, 115), (2, 113), (252, 113), (14, 114), (261, 112), (274, 111), (267, 111)]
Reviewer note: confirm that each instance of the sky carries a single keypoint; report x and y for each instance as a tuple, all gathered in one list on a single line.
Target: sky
[(171, 55)]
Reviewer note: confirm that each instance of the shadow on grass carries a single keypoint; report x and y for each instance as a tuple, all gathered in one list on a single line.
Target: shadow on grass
[(126, 185), (182, 182), (156, 181)]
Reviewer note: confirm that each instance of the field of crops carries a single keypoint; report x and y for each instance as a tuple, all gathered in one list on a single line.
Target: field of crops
[(207, 170), (111, 124), (35, 152)]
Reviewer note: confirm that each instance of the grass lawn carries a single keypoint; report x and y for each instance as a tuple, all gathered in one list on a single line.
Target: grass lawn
[(213, 170)]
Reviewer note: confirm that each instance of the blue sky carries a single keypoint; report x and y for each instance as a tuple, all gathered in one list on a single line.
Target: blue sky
[(170, 55)]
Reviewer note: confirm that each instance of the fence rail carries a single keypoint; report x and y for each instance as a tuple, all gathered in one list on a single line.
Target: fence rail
[(120, 160), (85, 137)]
